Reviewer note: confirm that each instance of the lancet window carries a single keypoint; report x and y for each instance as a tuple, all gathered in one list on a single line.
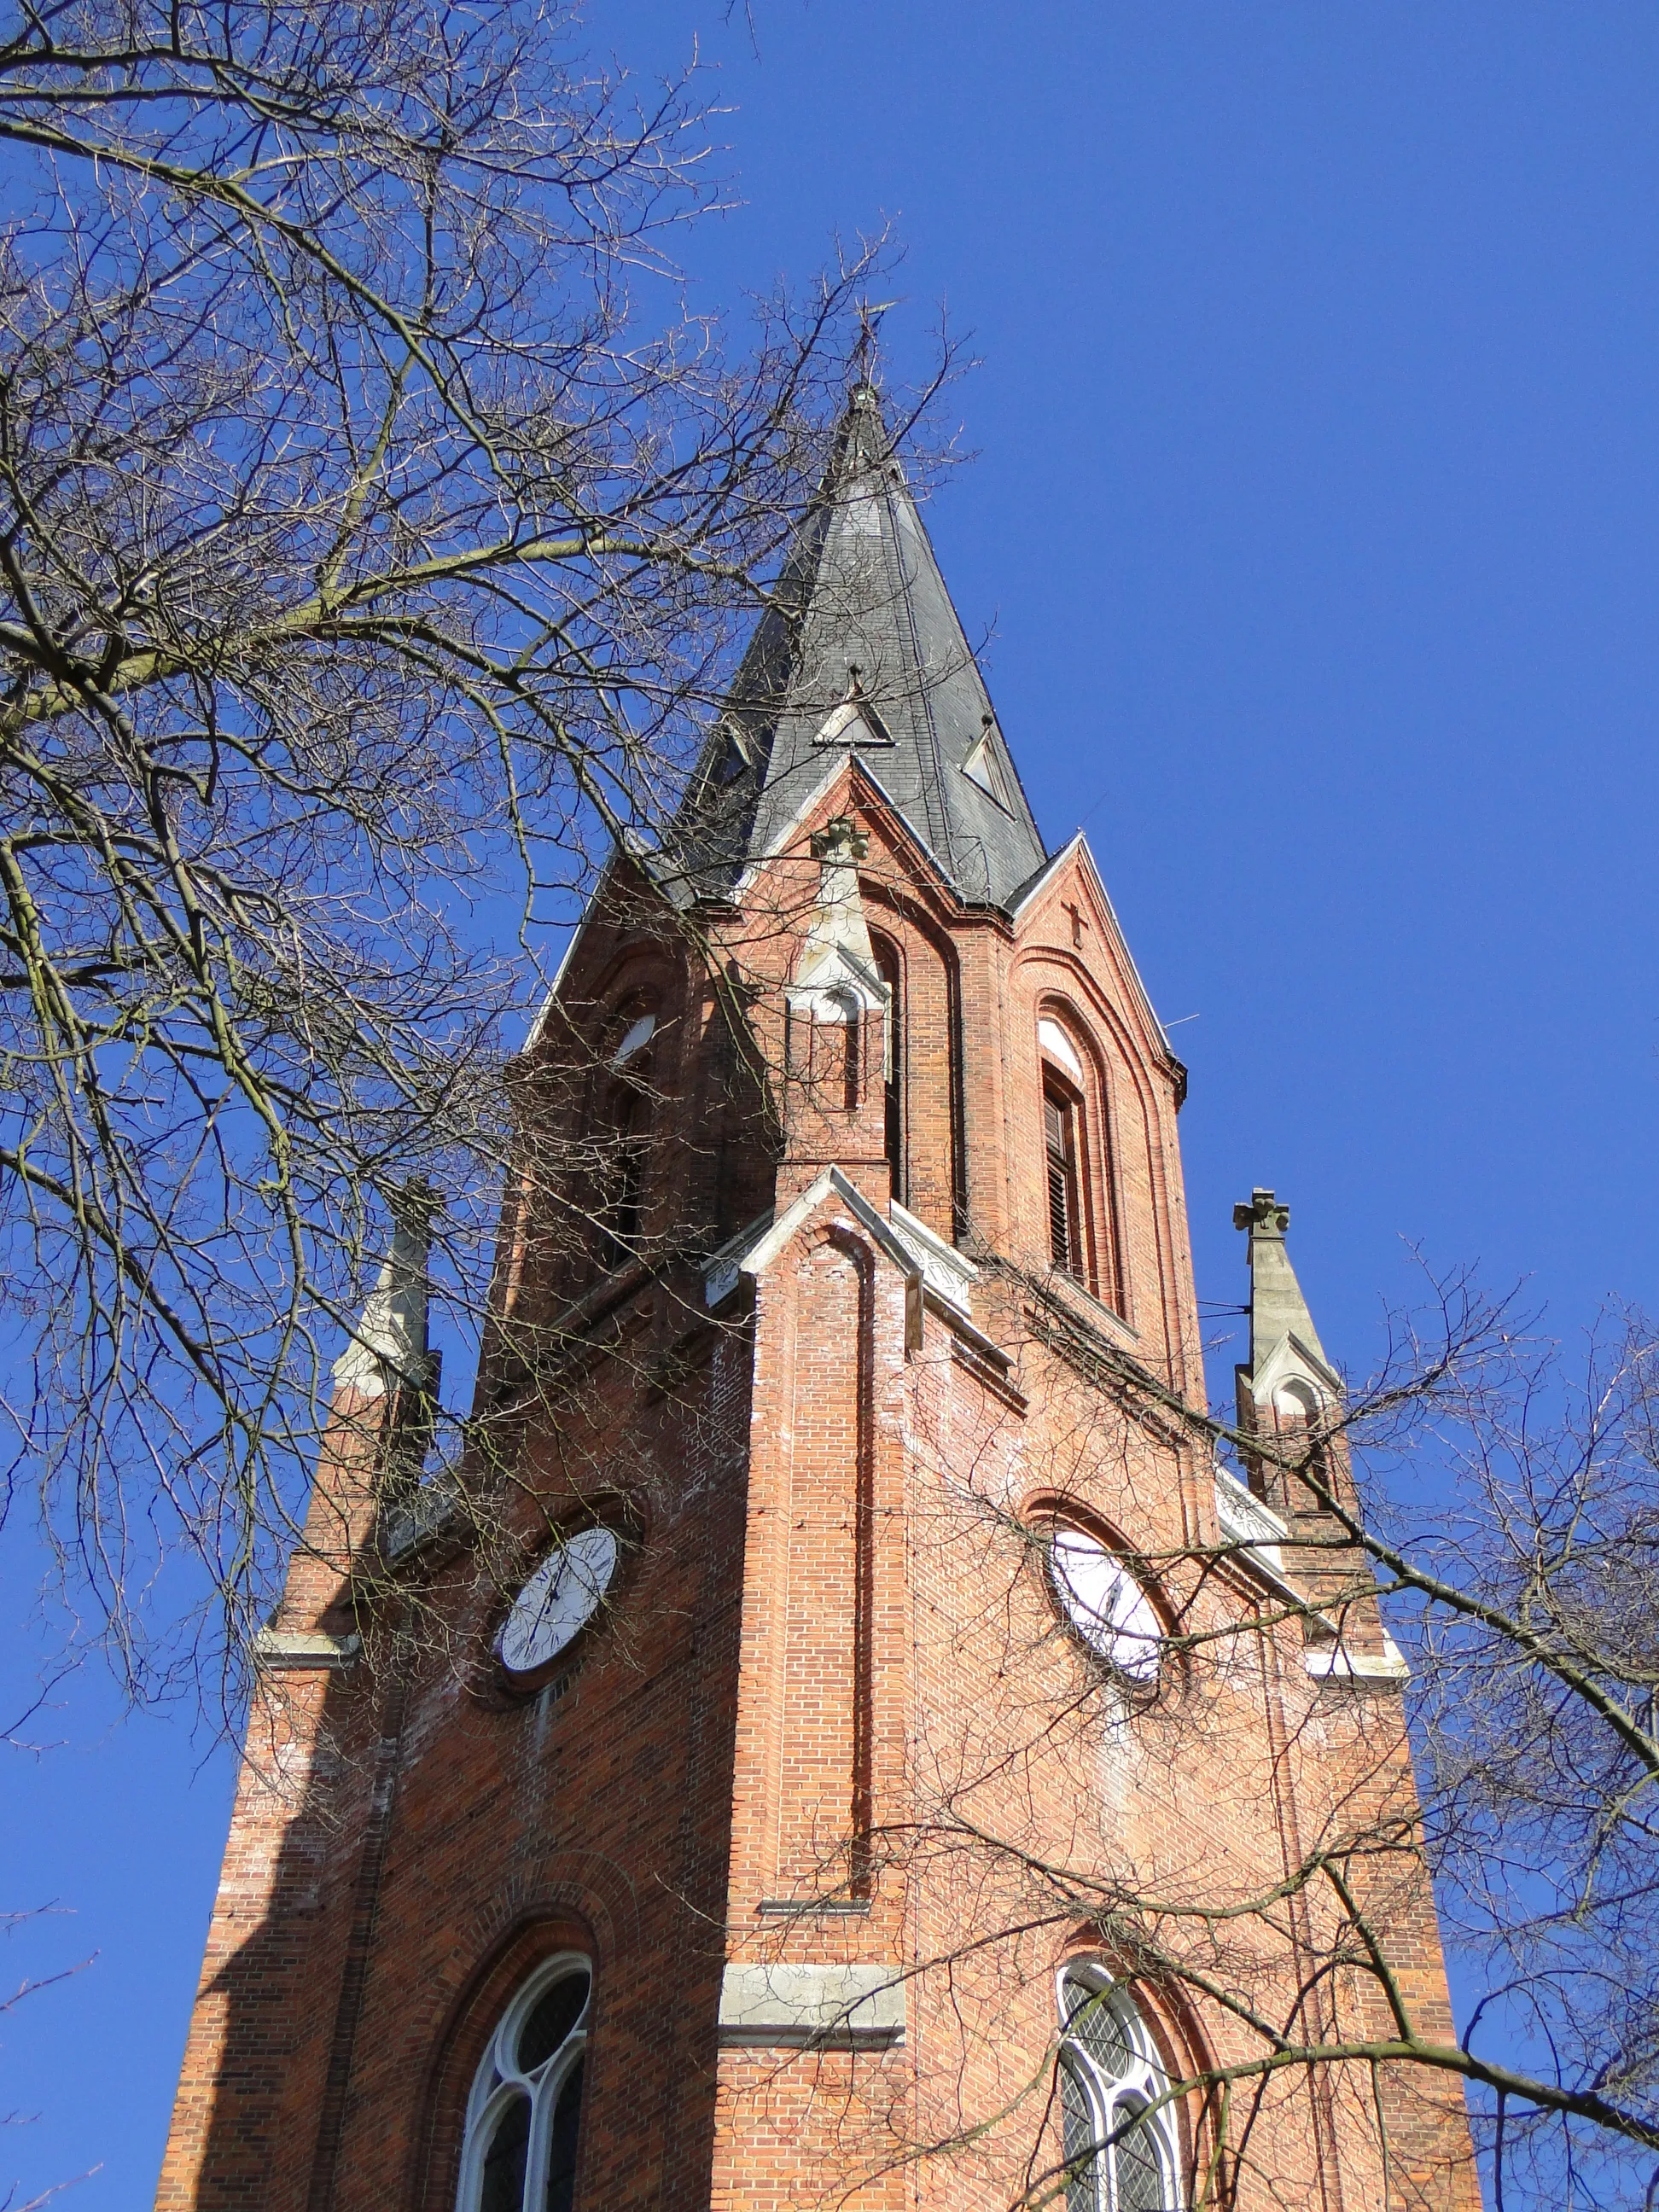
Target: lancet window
[(524, 2115), (1060, 1126), (624, 1169), (887, 962), (1078, 1188), (1120, 2142), (622, 1128)]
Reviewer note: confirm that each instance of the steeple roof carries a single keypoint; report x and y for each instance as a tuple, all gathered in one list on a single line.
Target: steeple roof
[(1284, 1347), (862, 652)]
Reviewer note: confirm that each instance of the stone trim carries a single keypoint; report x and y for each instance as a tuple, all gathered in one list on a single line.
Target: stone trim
[(280, 1649), (842, 2007), (1335, 1663), (1245, 1520), (948, 1274)]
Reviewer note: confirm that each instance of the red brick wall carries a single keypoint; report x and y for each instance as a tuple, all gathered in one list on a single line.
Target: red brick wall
[(834, 1626)]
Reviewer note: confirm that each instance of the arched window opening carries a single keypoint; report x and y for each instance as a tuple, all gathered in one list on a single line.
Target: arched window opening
[(887, 962), (524, 2115), (635, 1037), (1061, 1119), (626, 1132), (1300, 1479), (1295, 1404), (1119, 2151), (609, 1191), (1055, 1045), (1083, 1240)]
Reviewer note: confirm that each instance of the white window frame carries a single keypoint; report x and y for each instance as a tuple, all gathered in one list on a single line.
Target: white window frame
[(1110, 2099), (498, 2082)]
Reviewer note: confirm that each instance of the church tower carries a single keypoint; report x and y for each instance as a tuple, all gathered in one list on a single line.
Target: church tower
[(876, 1753)]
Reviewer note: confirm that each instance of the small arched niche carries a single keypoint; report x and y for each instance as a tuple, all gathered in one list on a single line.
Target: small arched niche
[(1296, 1399)]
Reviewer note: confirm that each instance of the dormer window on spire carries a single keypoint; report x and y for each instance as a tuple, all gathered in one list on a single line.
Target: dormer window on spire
[(983, 768), (855, 720)]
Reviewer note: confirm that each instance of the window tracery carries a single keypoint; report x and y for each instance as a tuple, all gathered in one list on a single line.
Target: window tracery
[(1120, 2142), (523, 2116)]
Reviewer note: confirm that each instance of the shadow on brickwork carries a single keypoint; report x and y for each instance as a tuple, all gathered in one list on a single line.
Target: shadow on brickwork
[(412, 1861)]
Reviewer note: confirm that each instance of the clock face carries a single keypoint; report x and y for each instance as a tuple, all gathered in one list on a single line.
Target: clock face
[(1106, 1605), (558, 1600)]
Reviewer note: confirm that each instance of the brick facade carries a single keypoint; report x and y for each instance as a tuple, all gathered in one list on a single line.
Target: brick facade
[(830, 1716)]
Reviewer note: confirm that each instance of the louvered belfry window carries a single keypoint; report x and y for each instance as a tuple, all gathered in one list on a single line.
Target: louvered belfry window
[(623, 1172), (1065, 1225)]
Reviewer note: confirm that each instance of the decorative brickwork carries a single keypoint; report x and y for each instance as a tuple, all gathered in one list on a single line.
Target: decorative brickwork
[(807, 1791)]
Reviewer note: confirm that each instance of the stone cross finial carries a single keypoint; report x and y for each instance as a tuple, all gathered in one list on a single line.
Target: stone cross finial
[(1262, 1215), (840, 840)]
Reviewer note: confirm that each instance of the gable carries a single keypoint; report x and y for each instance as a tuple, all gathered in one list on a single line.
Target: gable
[(1072, 879)]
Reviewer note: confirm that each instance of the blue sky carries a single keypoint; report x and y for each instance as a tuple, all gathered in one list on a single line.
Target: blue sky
[(1316, 517)]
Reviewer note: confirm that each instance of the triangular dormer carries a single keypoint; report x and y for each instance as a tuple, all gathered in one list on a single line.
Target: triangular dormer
[(856, 720), (983, 767)]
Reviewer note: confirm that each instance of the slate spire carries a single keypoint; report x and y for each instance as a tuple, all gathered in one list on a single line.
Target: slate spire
[(863, 652)]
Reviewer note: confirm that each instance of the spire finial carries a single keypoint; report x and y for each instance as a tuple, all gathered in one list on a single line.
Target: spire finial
[(840, 841), (864, 393), (1262, 1214)]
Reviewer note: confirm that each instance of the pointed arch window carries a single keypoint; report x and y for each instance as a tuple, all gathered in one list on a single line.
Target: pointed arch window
[(887, 965), (626, 1132), (1120, 2144), (1079, 1189), (613, 1194), (524, 2115)]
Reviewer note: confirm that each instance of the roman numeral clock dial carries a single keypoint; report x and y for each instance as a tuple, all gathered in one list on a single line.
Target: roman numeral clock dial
[(558, 1600)]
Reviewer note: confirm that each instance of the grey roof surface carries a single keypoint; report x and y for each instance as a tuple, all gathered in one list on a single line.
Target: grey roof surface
[(863, 639)]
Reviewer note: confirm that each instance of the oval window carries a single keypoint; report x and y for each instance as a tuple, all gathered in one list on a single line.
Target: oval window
[(1106, 1605), (558, 1600)]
